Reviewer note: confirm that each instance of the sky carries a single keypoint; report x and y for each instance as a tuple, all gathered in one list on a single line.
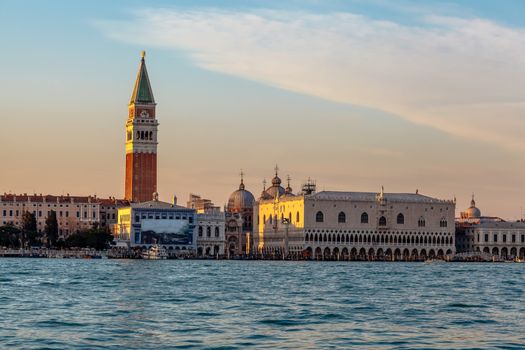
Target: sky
[(409, 95)]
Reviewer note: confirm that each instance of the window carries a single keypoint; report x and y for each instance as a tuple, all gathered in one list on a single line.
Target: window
[(486, 237), (382, 221), (513, 238), (495, 237), (208, 231), (364, 218), (297, 217), (341, 218), (421, 222), (400, 219), (137, 218), (319, 217), (443, 222), (216, 231), (200, 231), (504, 238), (67, 214)]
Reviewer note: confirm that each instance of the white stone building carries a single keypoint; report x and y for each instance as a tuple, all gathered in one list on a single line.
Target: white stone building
[(210, 233), (352, 225), (157, 223), (490, 235)]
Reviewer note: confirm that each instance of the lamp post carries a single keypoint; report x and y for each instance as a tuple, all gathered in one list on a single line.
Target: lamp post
[(286, 223)]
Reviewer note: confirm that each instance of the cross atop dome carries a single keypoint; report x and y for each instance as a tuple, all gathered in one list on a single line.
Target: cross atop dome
[(241, 186)]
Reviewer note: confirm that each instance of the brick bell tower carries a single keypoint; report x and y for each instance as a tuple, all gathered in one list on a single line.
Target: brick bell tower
[(141, 140)]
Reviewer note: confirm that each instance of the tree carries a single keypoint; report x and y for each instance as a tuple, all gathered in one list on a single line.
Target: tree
[(29, 222), (30, 235), (9, 236), (51, 229), (94, 238)]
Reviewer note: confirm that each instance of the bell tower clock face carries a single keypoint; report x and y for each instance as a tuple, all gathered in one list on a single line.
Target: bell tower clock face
[(144, 114)]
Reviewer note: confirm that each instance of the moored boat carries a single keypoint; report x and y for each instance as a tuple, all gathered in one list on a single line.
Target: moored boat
[(155, 252)]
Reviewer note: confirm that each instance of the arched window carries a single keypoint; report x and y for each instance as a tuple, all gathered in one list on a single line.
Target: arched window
[(400, 219), (364, 218), (200, 231), (341, 218), (421, 222), (290, 217), (264, 219), (151, 135), (443, 222), (216, 231), (138, 135), (297, 217), (382, 221), (271, 219), (208, 231), (319, 217)]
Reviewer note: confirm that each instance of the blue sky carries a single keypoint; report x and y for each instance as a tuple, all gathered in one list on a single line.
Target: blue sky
[(356, 94)]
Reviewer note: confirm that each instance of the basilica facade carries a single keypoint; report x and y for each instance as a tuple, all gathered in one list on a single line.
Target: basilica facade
[(333, 225)]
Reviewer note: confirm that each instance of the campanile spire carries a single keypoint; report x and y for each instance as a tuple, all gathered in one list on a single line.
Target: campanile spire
[(141, 139)]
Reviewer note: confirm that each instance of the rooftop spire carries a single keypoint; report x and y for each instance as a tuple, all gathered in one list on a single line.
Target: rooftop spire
[(241, 186), (142, 92)]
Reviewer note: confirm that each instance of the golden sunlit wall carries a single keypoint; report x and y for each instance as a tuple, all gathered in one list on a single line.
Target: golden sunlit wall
[(123, 227), (269, 216)]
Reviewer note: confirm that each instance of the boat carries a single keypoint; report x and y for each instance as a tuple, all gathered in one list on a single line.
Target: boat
[(434, 261), (519, 260), (155, 252)]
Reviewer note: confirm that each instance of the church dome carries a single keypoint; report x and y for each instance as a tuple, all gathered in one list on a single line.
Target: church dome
[(275, 191), (240, 199), (473, 212)]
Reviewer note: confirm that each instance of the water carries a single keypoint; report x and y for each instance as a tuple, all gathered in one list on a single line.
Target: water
[(118, 304)]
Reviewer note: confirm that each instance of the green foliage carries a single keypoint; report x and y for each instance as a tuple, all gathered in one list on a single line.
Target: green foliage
[(94, 238), (10, 237), (29, 222), (51, 229), (30, 234)]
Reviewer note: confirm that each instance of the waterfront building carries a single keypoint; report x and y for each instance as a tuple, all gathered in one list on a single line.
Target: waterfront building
[(210, 226), (239, 221), (156, 223), (74, 213), (489, 235), (352, 225), (141, 140)]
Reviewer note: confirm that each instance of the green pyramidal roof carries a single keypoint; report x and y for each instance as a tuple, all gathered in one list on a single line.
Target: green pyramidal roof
[(142, 92)]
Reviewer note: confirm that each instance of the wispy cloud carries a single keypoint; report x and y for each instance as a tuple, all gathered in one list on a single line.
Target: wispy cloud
[(465, 77)]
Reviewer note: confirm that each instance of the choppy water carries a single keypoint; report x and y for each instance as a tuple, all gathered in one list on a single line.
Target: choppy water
[(59, 304)]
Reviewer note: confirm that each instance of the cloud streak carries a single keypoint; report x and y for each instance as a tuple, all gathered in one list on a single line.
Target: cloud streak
[(465, 77)]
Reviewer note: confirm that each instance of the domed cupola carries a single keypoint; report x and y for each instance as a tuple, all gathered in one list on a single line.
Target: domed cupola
[(264, 194), (241, 199), (288, 192), (473, 212), (276, 190)]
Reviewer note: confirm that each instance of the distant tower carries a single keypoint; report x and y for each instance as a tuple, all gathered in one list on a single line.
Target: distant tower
[(141, 140)]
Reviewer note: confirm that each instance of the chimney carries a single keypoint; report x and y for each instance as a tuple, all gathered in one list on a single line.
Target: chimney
[(174, 200)]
